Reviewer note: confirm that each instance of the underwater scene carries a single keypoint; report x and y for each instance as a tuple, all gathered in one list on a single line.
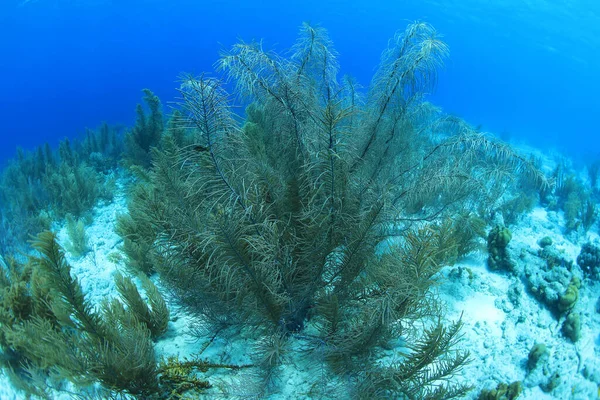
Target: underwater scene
[(299, 200)]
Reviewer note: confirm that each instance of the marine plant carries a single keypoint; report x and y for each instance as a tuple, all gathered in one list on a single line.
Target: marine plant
[(467, 230), (324, 218), (176, 130), (50, 332), (523, 199), (23, 296), (74, 187), (517, 206), (22, 197), (588, 214)]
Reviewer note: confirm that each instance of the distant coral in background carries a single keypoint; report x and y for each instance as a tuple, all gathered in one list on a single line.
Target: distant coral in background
[(576, 200), (49, 184)]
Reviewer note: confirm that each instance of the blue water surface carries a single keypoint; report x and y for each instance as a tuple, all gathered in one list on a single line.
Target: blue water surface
[(526, 70)]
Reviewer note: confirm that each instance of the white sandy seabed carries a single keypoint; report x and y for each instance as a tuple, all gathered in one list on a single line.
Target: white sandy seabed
[(502, 321)]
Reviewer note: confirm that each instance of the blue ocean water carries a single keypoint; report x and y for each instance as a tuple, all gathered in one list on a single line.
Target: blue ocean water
[(526, 70)]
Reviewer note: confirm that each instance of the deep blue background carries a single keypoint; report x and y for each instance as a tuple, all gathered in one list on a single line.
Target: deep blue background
[(527, 70)]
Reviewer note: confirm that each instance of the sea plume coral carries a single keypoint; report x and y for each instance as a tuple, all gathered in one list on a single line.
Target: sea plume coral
[(323, 218)]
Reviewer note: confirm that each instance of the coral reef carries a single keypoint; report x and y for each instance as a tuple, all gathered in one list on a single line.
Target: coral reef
[(589, 259), (567, 300), (497, 242), (545, 242), (502, 392), (571, 327), (322, 219), (538, 353), (321, 224)]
